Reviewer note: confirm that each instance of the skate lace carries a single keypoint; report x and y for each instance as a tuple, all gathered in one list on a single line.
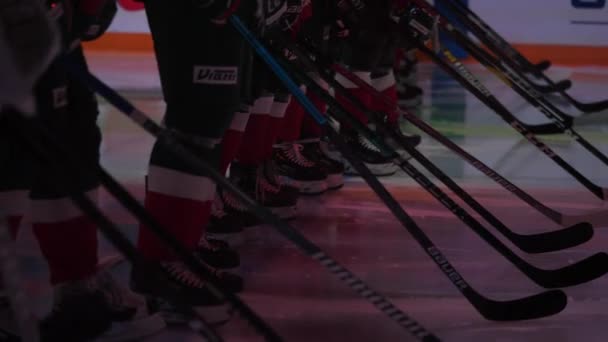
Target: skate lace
[(217, 208), (263, 186), (182, 274), (232, 202), (368, 144), (204, 243), (294, 154)]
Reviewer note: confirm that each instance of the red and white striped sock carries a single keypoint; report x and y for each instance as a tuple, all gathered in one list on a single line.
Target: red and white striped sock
[(363, 96), (181, 203), (252, 150), (387, 86), (233, 138)]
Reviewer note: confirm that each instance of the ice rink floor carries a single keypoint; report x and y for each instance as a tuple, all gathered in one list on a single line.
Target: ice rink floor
[(303, 302)]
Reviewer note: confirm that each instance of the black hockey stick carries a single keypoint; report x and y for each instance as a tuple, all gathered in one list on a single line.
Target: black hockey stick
[(306, 246), (514, 80), (44, 147), (584, 271), (454, 67), (562, 85), (509, 55), (535, 243), (525, 308), (543, 65)]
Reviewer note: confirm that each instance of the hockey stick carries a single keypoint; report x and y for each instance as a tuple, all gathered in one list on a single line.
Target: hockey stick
[(562, 85), (514, 80), (542, 65), (525, 308), (535, 243), (555, 216), (585, 270), (39, 141), (306, 246), (455, 68), (510, 55)]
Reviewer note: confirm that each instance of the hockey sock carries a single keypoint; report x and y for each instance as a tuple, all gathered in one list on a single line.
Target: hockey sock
[(180, 202), (290, 131), (252, 150), (233, 138), (67, 238), (275, 123), (310, 127), (363, 96), (386, 85)]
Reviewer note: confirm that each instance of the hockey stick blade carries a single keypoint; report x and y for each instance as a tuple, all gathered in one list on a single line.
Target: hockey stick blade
[(543, 65), (554, 240), (591, 107), (560, 86), (578, 273), (537, 306), (596, 218), (548, 128)]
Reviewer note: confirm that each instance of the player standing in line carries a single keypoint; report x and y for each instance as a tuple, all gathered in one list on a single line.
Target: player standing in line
[(88, 302)]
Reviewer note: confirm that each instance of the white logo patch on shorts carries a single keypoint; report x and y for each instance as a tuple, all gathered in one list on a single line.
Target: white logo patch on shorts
[(206, 74), (60, 97)]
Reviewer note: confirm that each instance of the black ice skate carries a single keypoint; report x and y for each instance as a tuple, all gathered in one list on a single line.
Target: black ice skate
[(297, 170), (333, 167)]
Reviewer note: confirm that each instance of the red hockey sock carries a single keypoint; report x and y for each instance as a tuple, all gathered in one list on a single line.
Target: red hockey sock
[(252, 150), (181, 203), (67, 238), (232, 139), (363, 96), (310, 127), (387, 86), (290, 130), (275, 124)]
